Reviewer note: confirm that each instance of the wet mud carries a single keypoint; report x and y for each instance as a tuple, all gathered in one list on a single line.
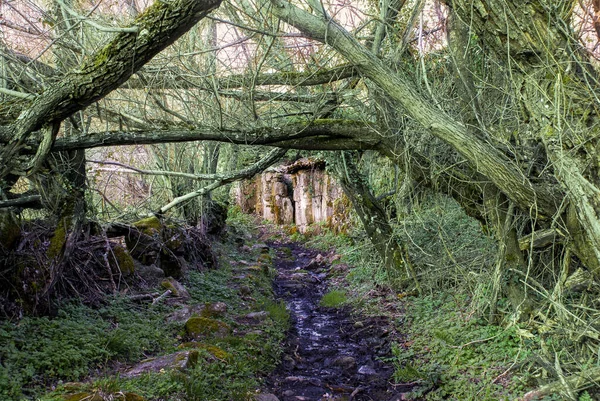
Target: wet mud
[(330, 354)]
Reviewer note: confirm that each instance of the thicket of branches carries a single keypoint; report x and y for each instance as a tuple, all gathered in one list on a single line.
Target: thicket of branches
[(491, 103)]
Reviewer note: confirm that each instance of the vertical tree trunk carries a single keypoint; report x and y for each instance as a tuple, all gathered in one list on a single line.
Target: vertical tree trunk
[(373, 217)]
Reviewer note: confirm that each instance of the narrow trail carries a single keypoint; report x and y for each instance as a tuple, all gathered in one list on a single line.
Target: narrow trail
[(329, 354)]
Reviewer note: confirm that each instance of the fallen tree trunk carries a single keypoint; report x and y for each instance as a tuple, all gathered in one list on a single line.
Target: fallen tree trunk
[(484, 157)]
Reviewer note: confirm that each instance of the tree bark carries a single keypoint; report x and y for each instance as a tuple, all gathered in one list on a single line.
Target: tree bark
[(320, 134)]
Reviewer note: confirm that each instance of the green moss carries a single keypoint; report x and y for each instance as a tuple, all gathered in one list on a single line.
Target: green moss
[(149, 225), (215, 351), (58, 240), (123, 261), (202, 326)]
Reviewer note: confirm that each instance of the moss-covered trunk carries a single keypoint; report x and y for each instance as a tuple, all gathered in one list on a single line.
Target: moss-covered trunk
[(551, 89), (373, 217)]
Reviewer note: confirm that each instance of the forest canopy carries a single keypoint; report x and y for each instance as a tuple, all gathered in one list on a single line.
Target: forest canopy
[(491, 103)]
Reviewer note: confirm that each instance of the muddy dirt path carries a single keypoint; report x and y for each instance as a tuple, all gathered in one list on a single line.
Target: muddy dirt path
[(329, 353)]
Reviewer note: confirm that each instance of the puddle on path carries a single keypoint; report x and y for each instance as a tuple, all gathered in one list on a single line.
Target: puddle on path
[(330, 355)]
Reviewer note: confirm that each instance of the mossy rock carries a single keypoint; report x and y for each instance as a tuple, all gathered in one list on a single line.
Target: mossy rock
[(122, 261), (212, 310), (179, 360), (149, 226), (215, 351), (197, 327), (177, 289)]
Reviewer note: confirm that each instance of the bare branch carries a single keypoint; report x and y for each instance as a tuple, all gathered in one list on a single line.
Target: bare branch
[(159, 26), (249, 172)]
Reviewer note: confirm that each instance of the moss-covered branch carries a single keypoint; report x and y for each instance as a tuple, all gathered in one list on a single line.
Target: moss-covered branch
[(158, 27), (320, 134)]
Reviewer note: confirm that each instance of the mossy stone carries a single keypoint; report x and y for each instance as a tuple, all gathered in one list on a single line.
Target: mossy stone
[(212, 310), (149, 226), (215, 351), (123, 261), (176, 288), (202, 327)]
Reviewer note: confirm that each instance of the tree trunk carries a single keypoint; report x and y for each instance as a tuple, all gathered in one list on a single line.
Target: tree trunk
[(373, 217)]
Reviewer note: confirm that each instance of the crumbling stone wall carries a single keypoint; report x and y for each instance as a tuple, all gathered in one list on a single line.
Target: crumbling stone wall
[(301, 193)]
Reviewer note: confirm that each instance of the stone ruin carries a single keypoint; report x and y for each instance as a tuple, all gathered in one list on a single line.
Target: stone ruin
[(301, 193)]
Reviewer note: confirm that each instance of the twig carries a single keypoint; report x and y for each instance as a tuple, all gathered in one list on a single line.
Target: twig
[(142, 297), (164, 295), (353, 394)]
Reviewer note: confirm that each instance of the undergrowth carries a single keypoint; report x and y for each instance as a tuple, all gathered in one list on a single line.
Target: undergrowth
[(446, 349), (39, 350), (91, 346)]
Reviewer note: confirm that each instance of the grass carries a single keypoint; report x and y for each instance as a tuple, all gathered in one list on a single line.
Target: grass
[(38, 351), (453, 355), (83, 343), (334, 299)]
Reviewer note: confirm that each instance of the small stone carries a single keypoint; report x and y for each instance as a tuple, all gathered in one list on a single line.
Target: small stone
[(359, 325), (216, 309), (177, 289), (245, 290), (266, 397), (334, 257), (257, 315), (183, 314), (177, 360), (367, 370), (345, 361), (288, 393)]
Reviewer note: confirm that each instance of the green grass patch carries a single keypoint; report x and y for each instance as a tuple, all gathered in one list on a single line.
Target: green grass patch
[(453, 355), (37, 351), (334, 299)]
